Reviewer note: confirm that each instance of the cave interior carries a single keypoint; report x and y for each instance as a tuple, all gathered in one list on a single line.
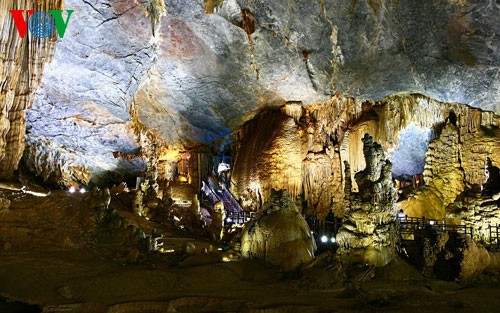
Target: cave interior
[(249, 156)]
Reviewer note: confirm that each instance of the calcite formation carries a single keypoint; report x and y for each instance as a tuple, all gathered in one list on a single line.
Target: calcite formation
[(22, 61), (269, 156), (185, 69), (81, 112), (477, 207), (456, 161), (331, 132), (278, 234), (451, 255), (369, 230)]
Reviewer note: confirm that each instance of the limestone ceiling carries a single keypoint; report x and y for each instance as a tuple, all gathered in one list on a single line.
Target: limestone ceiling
[(203, 75)]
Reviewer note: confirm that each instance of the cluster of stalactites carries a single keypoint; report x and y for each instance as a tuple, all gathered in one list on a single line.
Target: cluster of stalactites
[(21, 65)]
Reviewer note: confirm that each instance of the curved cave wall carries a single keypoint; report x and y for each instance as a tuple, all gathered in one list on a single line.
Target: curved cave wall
[(312, 99), (207, 70), (134, 87)]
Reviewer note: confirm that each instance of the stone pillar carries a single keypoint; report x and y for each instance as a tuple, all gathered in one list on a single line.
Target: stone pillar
[(369, 233)]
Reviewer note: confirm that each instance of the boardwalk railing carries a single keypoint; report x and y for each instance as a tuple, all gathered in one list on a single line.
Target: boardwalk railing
[(221, 194), (494, 231), (323, 227), (409, 225), (238, 218)]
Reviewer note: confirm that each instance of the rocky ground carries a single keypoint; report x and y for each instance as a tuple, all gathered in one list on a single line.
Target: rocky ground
[(64, 276), (93, 281)]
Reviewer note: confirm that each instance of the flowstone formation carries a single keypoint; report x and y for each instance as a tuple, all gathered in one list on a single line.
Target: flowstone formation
[(369, 231), (21, 66), (456, 164), (278, 234), (477, 207)]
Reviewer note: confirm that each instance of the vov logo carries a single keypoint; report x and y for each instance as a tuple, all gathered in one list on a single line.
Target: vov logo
[(41, 24)]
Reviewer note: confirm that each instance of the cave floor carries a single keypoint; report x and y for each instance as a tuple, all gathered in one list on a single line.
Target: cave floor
[(96, 281), (103, 278)]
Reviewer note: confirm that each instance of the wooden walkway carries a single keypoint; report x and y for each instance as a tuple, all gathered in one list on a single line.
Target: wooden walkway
[(494, 232), (238, 218), (409, 225)]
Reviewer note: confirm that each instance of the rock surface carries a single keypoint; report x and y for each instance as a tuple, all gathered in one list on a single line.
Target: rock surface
[(451, 255), (456, 161), (369, 230), (202, 75), (21, 65), (278, 234), (477, 207)]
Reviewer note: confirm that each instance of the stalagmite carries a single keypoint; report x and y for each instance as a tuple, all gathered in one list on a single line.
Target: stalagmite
[(369, 232), (278, 234)]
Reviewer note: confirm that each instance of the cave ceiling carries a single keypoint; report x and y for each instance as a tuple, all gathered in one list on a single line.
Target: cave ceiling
[(202, 75)]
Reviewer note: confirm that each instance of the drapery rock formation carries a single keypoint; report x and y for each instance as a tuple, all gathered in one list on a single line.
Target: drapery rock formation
[(369, 230), (331, 133), (278, 234), (269, 157), (22, 62)]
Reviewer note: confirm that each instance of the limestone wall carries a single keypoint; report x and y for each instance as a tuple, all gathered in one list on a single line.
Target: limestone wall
[(21, 66)]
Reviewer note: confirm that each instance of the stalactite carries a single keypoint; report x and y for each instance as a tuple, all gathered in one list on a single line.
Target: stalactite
[(155, 10), (270, 156), (331, 133), (21, 67)]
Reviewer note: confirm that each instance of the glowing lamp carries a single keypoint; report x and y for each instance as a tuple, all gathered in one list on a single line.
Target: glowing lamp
[(72, 189), (324, 239)]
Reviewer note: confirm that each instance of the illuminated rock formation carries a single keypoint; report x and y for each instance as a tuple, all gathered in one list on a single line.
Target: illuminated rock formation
[(369, 230), (205, 72), (269, 157), (478, 207), (452, 256), (278, 234), (456, 161), (21, 65), (443, 175)]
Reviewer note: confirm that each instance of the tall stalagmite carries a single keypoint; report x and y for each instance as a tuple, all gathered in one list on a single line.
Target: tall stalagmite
[(369, 231)]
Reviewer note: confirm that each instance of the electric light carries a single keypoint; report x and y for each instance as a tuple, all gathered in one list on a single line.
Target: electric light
[(324, 239), (72, 189), (82, 190)]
